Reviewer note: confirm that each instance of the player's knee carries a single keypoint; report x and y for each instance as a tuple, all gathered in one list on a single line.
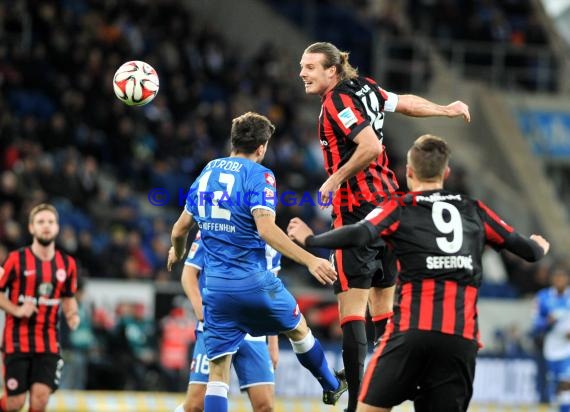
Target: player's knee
[(15, 403), (39, 401), (263, 406), (194, 405)]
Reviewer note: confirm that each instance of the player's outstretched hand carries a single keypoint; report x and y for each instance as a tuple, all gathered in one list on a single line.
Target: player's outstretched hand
[(26, 310), (327, 191), (322, 270), (458, 108), (298, 230), (542, 242), (73, 320), (172, 258)]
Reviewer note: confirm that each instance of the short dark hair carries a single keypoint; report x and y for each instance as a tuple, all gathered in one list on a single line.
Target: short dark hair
[(429, 157), (249, 131), (334, 57)]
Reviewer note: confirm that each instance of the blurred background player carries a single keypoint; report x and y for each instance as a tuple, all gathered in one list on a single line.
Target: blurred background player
[(241, 295), (438, 238), (39, 279), (254, 361), (552, 320), (350, 130)]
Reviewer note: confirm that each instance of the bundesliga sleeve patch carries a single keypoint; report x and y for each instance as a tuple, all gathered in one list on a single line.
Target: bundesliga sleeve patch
[(269, 195), (347, 117), (270, 179)]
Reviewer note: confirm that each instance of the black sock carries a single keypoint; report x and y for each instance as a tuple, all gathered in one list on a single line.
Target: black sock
[(354, 348), (380, 323)]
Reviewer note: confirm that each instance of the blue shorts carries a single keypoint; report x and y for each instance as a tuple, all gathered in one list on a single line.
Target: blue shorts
[(230, 316), (251, 363), (558, 371)]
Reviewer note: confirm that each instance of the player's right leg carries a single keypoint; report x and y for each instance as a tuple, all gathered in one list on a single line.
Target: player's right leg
[(563, 389), (16, 384), (352, 289), (311, 355), (255, 373)]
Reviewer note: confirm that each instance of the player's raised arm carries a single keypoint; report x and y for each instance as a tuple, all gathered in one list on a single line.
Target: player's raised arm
[(416, 106), (320, 268), (500, 235)]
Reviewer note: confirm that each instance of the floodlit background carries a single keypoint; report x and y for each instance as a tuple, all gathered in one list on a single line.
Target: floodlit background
[(118, 174)]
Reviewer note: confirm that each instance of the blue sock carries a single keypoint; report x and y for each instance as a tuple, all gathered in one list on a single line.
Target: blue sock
[(216, 399), (311, 355)]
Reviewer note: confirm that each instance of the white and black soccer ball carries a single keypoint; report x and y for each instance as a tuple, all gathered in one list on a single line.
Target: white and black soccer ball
[(135, 83)]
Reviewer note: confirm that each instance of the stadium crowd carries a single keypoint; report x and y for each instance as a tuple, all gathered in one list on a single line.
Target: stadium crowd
[(66, 139)]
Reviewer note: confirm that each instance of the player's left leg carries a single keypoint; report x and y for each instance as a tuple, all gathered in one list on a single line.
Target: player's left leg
[(216, 399), (362, 407), (381, 297), (45, 377)]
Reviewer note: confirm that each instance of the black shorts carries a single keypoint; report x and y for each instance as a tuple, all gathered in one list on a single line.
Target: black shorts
[(21, 370), (363, 267), (434, 369)]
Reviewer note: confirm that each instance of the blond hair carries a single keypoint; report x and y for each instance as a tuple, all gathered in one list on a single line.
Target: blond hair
[(334, 57), (40, 208)]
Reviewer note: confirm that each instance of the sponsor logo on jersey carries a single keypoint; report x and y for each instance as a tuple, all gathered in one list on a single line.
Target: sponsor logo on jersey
[(45, 289), (29, 272), (347, 117)]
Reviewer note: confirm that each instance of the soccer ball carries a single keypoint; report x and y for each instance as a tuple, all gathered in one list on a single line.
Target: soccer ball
[(135, 83)]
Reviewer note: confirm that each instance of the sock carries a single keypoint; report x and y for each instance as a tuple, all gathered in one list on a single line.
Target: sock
[(380, 323), (311, 355), (354, 349), (564, 401), (216, 399)]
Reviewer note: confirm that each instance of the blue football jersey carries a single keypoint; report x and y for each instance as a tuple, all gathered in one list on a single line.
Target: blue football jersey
[(221, 200), (196, 258)]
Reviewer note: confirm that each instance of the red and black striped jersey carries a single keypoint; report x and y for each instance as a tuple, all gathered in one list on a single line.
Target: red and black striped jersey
[(27, 277), (346, 110), (438, 238)]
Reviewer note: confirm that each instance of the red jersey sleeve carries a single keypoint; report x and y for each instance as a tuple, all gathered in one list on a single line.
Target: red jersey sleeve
[(11, 267), (71, 279), (385, 218), (496, 230)]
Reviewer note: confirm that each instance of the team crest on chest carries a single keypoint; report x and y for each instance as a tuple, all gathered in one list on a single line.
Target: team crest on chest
[(60, 275)]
